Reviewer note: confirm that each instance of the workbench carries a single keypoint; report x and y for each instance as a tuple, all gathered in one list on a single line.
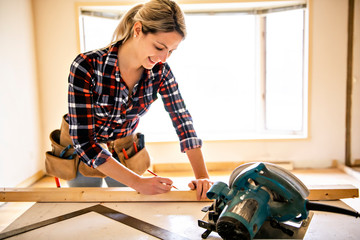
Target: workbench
[(179, 219), (177, 212)]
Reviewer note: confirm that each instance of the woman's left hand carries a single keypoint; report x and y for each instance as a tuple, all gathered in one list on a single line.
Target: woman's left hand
[(201, 186)]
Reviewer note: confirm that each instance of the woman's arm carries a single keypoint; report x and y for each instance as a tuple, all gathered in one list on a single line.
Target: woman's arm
[(182, 122), (202, 182)]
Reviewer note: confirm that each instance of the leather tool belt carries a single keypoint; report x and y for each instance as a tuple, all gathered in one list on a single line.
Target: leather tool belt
[(63, 162)]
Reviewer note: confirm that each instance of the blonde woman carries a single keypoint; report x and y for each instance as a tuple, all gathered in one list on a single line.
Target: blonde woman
[(111, 88)]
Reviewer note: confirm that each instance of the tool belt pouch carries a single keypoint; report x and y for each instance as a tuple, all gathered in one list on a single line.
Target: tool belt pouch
[(87, 171), (65, 139), (62, 161), (137, 161)]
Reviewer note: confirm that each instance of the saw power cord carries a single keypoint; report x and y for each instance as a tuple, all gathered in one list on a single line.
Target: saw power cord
[(327, 208)]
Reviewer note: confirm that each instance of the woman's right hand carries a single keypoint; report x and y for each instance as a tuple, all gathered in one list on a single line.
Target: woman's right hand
[(144, 185), (153, 185)]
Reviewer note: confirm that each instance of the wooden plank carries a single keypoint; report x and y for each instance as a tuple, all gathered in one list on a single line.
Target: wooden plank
[(332, 192), (90, 195), (349, 81), (121, 195), (211, 166)]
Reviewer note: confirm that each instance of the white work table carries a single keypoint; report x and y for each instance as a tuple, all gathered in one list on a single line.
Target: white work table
[(177, 212), (180, 218)]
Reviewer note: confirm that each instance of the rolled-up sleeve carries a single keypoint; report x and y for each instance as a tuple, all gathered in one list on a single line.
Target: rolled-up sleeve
[(81, 116), (180, 116)]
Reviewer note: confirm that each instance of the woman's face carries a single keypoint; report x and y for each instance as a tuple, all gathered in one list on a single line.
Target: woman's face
[(154, 48)]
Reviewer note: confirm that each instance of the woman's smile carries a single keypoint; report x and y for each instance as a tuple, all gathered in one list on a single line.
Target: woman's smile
[(151, 61)]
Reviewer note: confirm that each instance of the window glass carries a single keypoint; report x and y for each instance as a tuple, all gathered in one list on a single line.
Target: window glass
[(96, 32), (284, 70)]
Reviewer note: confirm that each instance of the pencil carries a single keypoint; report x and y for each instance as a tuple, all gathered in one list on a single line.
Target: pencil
[(135, 147), (157, 175), (125, 154), (57, 181)]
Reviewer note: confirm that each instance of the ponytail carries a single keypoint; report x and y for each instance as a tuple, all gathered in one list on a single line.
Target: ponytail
[(124, 30), (155, 16)]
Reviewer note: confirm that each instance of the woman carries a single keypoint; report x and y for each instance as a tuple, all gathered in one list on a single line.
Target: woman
[(109, 89)]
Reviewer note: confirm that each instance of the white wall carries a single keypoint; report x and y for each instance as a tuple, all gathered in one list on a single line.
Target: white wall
[(56, 47), (20, 132)]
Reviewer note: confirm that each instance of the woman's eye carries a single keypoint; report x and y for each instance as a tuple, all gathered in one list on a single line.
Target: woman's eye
[(160, 49)]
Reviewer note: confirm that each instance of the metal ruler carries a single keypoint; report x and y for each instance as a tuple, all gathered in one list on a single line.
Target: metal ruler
[(123, 218)]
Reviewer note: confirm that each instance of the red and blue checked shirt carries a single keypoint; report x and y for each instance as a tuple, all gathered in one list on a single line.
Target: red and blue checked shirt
[(101, 110)]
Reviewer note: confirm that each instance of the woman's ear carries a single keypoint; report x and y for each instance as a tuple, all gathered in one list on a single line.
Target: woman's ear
[(137, 28)]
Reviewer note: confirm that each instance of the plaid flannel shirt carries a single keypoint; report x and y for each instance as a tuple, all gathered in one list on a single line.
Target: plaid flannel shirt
[(101, 110)]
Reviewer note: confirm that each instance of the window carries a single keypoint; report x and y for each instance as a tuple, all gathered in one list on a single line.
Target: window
[(241, 70), (284, 97)]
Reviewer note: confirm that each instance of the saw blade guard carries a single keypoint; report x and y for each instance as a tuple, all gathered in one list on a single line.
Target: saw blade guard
[(288, 193), (275, 172)]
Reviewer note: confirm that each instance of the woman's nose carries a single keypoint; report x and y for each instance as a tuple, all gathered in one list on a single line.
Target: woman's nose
[(163, 57)]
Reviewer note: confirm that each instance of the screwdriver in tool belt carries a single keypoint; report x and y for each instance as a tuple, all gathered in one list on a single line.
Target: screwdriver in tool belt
[(125, 153), (157, 175)]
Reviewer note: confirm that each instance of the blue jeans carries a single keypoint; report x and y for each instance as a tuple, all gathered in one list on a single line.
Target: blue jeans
[(82, 181)]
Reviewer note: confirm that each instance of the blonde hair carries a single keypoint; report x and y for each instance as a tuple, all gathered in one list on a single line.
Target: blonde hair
[(155, 16)]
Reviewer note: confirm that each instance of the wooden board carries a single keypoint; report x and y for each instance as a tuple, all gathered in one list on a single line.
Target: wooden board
[(332, 192), (90, 195), (121, 195)]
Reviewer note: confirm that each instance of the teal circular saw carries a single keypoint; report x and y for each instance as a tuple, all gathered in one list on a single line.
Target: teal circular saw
[(259, 192)]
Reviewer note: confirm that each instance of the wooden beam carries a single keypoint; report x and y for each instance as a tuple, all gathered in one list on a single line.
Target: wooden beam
[(349, 82), (332, 192), (90, 195), (121, 195)]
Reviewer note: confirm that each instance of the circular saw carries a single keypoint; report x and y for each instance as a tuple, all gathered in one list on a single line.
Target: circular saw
[(259, 193)]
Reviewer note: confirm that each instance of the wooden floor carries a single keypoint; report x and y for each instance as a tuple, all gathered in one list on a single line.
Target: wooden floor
[(334, 176)]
